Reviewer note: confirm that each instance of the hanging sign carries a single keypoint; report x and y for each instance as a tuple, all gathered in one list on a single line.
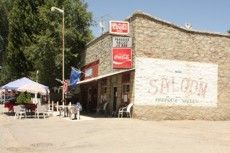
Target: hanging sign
[(122, 42), (119, 27), (122, 58)]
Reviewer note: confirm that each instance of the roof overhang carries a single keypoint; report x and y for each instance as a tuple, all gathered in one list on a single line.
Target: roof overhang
[(104, 76)]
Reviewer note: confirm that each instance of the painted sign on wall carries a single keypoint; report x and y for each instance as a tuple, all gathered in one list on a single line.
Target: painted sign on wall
[(171, 82), (122, 58), (119, 27)]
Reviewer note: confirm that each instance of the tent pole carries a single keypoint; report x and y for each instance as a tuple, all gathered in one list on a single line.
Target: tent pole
[(4, 95)]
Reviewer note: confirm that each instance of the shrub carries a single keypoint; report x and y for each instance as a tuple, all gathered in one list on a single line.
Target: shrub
[(23, 98)]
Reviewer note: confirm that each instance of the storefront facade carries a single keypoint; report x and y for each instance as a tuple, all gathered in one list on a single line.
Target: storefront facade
[(175, 73), (102, 81)]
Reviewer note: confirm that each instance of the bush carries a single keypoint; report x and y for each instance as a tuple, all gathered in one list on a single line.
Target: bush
[(23, 98)]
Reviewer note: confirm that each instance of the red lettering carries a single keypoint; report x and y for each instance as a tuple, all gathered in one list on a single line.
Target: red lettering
[(164, 86), (185, 85), (153, 84), (202, 89), (193, 87)]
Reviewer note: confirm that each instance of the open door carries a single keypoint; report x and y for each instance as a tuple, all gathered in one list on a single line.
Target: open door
[(115, 95)]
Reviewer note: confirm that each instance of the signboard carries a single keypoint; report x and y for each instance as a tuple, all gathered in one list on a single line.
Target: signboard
[(119, 27), (171, 82), (122, 58), (122, 42)]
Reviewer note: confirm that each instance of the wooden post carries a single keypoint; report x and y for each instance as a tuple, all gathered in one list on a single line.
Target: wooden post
[(57, 106), (52, 106), (48, 105), (78, 114)]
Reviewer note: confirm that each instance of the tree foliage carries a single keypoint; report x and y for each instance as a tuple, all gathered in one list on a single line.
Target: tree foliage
[(4, 5), (35, 38), (23, 98)]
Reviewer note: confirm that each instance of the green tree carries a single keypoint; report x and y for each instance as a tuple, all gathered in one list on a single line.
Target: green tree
[(3, 27), (48, 45), (23, 98), (5, 7), (35, 38), (22, 25)]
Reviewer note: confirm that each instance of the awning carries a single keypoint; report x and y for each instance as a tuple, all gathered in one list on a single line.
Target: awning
[(103, 76)]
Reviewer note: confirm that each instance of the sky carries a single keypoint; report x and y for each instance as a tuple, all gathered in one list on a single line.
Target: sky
[(203, 15)]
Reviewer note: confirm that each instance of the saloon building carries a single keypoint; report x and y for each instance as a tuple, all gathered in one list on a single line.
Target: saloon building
[(167, 71)]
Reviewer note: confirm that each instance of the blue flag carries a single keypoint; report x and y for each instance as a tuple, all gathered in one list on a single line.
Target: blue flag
[(74, 77)]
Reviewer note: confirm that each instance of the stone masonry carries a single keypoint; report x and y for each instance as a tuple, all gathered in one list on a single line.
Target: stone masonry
[(159, 39), (162, 40)]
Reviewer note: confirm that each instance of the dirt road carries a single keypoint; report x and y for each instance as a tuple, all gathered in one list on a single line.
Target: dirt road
[(112, 135)]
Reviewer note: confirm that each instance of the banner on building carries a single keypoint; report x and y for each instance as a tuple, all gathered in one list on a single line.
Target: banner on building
[(119, 27), (172, 82), (122, 58), (122, 42)]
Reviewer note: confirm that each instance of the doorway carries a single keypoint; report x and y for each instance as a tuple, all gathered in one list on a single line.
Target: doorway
[(115, 95), (92, 98)]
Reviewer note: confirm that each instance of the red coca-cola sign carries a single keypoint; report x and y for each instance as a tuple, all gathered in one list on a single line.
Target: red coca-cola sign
[(119, 27), (122, 58)]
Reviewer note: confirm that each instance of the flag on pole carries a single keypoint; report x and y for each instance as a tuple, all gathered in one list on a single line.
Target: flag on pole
[(65, 86), (74, 77)]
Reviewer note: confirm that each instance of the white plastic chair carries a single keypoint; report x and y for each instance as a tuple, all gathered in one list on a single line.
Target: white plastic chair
[(19, 111), (125, 110), (103, 109), (41, 109), (73, 110)]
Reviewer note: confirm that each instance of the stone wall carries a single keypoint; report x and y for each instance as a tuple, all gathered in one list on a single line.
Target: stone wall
[(99, 49), (156, 39)]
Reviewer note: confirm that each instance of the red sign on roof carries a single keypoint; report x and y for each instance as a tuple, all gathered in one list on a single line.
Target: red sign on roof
[(119, 27)]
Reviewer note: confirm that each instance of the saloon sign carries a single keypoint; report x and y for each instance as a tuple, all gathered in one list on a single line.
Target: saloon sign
[(119, 27), (122, 58), (173, 82)]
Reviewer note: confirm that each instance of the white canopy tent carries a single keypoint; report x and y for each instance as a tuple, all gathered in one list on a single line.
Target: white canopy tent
[(26, 85), (34, 88)]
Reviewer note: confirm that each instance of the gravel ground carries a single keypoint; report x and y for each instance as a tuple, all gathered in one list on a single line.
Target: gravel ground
[(111, 135)]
